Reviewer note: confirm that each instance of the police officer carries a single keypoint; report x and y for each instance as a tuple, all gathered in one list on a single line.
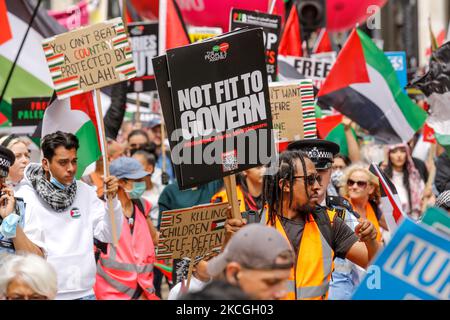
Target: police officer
[(346, 274), (12, 210)]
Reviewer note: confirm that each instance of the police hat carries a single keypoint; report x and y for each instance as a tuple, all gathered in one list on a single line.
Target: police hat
[(7, 159), (321, 152)]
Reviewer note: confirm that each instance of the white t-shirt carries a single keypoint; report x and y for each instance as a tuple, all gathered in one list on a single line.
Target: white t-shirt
[(67, 237), (397, 180), (195, 286)]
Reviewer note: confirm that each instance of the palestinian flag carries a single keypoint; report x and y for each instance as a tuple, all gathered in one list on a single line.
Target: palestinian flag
[(363, 86), (6, 34), (172, 30), (390, 201), (165, 269), (76, 115), (435, 84), (218, 224), (30, 77), (323, 42), (291, 40), (331, 128)]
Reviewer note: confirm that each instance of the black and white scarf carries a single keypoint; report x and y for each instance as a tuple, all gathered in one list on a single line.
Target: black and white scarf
[(58, 199)]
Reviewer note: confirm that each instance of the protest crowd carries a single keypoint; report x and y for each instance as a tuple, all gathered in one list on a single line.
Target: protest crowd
[(98, 206)]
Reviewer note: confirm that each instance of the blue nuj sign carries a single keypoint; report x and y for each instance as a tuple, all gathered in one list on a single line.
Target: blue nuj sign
[(414, 265)]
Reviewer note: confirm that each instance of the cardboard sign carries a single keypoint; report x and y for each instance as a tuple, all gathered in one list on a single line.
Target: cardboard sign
[(271, 25), (414, 265), (287, 114), (192, 232), (438, 219), (197, 34), (310, 68), (28, 111), (144, 42), (89, 58), (398, 61), (217, 108)]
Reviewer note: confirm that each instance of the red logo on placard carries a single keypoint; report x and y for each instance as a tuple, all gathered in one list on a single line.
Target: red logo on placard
[(224, 47)]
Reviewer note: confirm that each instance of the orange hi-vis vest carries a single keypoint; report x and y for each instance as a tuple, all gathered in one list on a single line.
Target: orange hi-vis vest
[(221, 196), (130, 264), (311, 274)]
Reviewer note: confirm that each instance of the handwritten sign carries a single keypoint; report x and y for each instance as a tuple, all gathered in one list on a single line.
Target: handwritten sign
[(291, 104), (89, 58), (192, 231)]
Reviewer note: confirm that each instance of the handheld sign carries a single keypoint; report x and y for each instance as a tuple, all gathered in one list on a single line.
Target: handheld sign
[(310, 68), (144, 42), (438, 219), (414, 265), (28, 111), (271, 25), (292, 103), (215, 102), (89, 58), (191, 232)]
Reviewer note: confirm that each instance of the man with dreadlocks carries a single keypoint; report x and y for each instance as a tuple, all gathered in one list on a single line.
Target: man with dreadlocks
[(316, 233)]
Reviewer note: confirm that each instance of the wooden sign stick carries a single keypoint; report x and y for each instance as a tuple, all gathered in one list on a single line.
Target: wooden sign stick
[(138, 111), (189, 276), (99, 115), (230, 185)]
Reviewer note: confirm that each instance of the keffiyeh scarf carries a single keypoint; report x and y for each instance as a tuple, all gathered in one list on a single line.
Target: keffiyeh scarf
[(58, 199)]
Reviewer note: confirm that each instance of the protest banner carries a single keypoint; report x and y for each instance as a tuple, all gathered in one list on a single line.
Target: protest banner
[(287, 115), (144, 44), (89, 58), (310, 68), (191, 232), (271, 25), (398, 61), (414, 265), (28, 111), (218, 118), (438, 219), (197, 34)]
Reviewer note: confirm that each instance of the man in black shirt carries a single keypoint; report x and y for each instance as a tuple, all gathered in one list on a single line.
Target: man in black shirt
[(316, 234)]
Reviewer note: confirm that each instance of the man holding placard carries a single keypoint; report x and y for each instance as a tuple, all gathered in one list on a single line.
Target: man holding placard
[(68, 215)]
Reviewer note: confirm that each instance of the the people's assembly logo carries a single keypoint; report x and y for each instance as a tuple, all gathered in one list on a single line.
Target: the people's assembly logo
[(218, 52), (75, 213)]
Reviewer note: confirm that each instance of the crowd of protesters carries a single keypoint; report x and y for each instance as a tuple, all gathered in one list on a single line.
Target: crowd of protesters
[(310, 228)]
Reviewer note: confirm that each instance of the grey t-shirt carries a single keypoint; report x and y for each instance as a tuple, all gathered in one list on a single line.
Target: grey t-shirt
[(340, 235)]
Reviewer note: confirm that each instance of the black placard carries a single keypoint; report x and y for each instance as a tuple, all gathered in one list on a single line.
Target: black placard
[(28, 111), (144, 43), (215, 102), (271, 25)]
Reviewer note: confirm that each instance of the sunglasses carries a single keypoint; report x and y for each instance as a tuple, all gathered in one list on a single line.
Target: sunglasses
[(311, 179), (361, 184)]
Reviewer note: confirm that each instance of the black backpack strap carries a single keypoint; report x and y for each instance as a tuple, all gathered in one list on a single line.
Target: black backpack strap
[(325, 225)]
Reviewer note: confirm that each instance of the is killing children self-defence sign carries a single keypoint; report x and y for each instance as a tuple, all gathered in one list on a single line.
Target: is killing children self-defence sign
[(217, 107), (89, 58)]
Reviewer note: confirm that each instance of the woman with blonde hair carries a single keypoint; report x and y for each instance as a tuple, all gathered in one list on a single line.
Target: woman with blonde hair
[(20, 149), (361, 188)]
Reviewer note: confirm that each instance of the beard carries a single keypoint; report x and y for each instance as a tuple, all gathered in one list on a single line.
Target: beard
[(305, 209)]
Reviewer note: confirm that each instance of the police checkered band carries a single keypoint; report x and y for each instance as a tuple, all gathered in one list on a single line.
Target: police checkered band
[(315, 153), (443, 200), (5, 163)]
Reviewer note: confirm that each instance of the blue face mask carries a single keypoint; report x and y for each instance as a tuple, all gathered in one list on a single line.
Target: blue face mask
[(137, 191), (56, 183)]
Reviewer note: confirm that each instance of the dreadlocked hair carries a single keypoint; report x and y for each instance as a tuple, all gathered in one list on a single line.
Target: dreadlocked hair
[(272, 192)]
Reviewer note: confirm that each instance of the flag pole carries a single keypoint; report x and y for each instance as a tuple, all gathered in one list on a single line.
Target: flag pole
[(101, 132), (272, 6), (8, 78)]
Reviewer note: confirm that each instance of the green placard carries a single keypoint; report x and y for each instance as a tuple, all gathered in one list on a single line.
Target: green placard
[(438, 219)]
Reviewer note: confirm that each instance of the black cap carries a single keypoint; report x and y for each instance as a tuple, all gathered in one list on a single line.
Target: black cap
[(7, 159), (321, 152)]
